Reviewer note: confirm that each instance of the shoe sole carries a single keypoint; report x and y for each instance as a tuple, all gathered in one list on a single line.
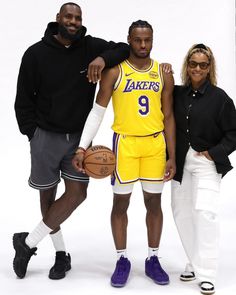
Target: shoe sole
[(207, 292), (59, 277), (118, 285), (187, 279), (162, 283)]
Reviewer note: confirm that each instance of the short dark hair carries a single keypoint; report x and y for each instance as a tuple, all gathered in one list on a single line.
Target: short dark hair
[(140, 24), (68, 3)]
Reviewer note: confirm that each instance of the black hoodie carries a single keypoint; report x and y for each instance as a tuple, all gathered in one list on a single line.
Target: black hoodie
[(53, 91)]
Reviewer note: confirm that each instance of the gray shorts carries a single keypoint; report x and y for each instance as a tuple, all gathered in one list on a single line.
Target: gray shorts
[(51, 156)]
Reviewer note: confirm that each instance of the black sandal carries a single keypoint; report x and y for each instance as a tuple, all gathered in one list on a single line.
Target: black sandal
[(207, 288), (187, 276)]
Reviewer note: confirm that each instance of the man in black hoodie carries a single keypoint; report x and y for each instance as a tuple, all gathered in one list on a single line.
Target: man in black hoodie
[(55, 93)]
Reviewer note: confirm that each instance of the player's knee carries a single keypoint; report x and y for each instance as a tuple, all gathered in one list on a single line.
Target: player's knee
[(120, 208), (47, 198), (154, 211), (119, 212), (153, 203), (76, 198), (81, 196)]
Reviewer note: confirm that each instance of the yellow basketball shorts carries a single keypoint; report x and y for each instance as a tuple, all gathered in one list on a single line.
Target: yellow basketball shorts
[(139, 158)]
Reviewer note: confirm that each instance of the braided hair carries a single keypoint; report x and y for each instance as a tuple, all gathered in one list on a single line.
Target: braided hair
[(140, 24)]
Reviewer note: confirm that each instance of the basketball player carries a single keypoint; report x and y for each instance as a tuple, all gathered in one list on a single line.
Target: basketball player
[(143, 127), (53, 99)]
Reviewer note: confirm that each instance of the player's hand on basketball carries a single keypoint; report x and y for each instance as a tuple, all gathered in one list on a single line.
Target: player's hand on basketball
[(170, 170), (167, 68), (78, 159), (95, 69)]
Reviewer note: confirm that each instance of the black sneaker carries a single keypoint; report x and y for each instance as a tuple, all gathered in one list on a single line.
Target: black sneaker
[(61, 266), (23, 254)]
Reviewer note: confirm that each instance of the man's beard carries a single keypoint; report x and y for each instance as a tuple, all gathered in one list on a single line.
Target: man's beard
[(66, 35)]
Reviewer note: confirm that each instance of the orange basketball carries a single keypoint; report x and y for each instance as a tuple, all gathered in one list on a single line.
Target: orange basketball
[(99, 161)]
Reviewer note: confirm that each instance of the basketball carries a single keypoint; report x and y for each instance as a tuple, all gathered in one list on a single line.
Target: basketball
[(99, 161)]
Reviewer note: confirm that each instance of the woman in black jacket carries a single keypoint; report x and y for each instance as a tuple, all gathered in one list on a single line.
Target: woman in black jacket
[(205, 136)]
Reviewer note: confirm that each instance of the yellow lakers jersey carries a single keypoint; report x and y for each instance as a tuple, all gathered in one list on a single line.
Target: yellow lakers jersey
[(136, 100)]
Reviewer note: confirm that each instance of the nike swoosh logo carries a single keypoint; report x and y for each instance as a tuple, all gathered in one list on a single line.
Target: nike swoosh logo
[(128, 74)]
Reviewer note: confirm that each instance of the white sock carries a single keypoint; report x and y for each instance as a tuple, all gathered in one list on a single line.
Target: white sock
[(120, 253), (152, 252), (41, 231), (58, 241)]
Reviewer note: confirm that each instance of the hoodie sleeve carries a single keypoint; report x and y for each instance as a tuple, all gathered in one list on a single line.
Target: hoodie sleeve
[(26, 96), (112, 53)]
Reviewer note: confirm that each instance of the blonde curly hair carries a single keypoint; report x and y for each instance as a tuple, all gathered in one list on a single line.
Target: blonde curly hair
[(212, 70)]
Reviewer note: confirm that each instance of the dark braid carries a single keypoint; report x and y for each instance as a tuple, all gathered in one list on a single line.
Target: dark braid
[(140, 24)]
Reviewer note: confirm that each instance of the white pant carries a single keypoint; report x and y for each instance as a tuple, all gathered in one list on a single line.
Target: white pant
[(195, 205)]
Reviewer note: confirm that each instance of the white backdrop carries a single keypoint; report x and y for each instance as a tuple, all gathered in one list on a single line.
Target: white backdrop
[(177, 25)]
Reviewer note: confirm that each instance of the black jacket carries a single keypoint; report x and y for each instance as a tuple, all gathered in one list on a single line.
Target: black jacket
[(53, 91), (205, 120)]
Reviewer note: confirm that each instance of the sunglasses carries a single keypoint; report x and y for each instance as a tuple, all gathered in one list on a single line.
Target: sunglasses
[(193, 64)]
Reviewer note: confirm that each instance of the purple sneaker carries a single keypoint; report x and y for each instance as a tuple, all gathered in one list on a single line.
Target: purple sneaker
[(154, 271), (121, 273)]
